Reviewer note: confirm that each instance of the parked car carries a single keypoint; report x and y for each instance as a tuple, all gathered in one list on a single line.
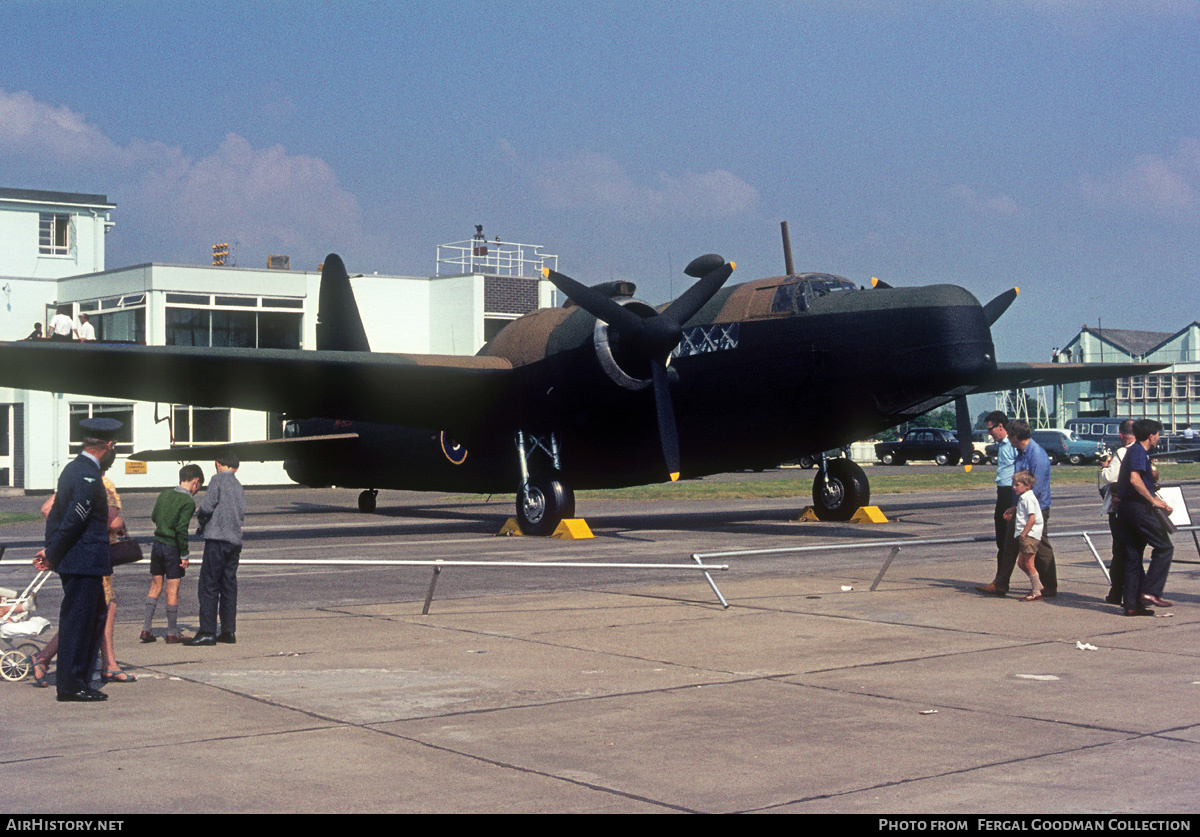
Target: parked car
[(1062, 446), (920, 443)]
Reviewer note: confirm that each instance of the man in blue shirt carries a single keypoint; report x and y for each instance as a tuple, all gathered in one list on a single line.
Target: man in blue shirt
[(1030, 457), (997, 427)]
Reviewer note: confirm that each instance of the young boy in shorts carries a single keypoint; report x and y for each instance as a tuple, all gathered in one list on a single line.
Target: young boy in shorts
[(168, 557), (1029, 524)]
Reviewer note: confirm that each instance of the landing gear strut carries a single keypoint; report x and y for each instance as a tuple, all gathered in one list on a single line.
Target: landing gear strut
[(366, 500), (840, 489), (544, 499)]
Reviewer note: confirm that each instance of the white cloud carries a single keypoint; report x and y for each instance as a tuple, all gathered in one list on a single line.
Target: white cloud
[(988, 205), (177, 206), (1169, 185), (592, 182)]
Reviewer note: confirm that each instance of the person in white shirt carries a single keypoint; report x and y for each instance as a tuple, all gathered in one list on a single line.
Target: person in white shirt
[(86, 332), (62, 327), (1029, 526), (1108, 490)]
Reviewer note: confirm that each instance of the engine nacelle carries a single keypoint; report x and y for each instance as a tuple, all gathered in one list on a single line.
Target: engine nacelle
[(628, 370)]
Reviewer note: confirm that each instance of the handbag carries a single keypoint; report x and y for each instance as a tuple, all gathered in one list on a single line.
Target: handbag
[(125, 551)]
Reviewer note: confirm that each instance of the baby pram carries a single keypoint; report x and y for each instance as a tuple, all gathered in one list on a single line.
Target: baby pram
[(19, 631)]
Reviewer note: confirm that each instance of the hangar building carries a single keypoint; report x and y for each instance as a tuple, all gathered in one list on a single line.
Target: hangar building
[(1170, 395), (52, 254)]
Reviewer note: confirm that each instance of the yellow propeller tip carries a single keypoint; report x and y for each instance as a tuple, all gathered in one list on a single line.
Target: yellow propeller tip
[(1016, 290), (546, 272), (874, 281), (733, 265), (674, 477)]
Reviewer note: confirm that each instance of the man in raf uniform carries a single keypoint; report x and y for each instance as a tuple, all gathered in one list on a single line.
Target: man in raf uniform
[(77, 549)]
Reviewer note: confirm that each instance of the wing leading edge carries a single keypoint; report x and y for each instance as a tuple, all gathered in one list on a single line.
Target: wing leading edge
[(1022, 375), (438, 391)]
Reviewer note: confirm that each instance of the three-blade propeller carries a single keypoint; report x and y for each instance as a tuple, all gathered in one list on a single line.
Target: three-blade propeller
[(654, 337)]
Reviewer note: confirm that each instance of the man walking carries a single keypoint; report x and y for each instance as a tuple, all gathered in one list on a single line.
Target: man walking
[(1141, 525), (221, 513), (77, 549), (997, 427)]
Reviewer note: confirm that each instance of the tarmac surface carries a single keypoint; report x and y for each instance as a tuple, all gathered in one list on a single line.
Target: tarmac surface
[(627, 690)]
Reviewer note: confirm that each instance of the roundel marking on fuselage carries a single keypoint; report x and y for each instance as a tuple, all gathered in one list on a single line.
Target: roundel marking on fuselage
[(456, 453)]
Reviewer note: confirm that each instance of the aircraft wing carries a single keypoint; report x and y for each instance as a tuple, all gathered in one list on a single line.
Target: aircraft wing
[(1025, 375), (266, 450), (449, 392)]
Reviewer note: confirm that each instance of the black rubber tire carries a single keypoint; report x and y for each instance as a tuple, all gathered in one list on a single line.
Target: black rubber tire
[(847, 492), (543, 504), (1075, 459), (977, 458), (366, 501), (889, 459), (943, 459)]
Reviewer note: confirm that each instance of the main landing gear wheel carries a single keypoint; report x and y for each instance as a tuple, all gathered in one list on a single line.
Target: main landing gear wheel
[(366, 500), (542, 504), (844, 493)]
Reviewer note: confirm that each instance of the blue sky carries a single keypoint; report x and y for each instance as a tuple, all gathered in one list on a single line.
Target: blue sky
[(1048, 144)]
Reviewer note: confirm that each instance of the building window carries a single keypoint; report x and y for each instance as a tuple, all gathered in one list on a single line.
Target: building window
[(199, 425), (232, 322), (54, 234), (121, 412)]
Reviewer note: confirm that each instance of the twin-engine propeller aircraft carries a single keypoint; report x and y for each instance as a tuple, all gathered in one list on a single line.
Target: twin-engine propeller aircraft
[(605, 391)]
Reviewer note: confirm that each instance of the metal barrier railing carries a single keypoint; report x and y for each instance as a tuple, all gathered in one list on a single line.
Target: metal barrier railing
[(898, 544)]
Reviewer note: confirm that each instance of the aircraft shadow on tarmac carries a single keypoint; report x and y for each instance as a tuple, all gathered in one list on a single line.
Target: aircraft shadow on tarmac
[(487, 518)]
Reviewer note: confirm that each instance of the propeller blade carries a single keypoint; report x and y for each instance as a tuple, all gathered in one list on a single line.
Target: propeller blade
[(962, 420), (595, 303), (698, 295), (701, 266), (879, 283), (999, 305), (668, 434)]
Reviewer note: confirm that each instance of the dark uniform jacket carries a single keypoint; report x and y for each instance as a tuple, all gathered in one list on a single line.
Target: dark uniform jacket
[(77, 526)]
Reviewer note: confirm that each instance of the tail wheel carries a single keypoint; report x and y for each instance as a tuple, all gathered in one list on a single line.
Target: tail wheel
[(366, 500), (844, 492), (542, 504)]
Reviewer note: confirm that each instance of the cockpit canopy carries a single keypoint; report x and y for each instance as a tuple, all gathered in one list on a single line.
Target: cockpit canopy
[(797, 293)]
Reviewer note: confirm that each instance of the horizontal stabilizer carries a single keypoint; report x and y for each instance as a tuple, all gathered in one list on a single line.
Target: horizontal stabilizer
[(267, 450)]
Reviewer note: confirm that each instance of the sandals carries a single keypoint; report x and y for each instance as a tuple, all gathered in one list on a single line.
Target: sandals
[(39, 680), (1032, 597), (115, 676)]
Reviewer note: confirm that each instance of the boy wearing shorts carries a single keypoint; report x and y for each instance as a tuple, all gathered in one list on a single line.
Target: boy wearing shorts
[(168, 557), (1029, 525)]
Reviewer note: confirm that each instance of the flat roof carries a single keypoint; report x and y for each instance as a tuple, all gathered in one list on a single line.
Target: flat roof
[(41, 196)]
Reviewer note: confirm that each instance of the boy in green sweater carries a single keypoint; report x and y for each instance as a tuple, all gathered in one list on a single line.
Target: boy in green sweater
[(168, 557)]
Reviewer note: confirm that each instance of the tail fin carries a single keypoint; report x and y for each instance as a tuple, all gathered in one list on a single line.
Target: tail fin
[(339, 326)]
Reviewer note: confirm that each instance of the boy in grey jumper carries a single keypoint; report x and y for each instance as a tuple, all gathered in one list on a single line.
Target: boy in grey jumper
[(220, 514)]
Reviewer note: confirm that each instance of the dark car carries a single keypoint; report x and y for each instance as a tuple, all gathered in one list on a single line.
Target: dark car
[(1062, 446), (933, 443)]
